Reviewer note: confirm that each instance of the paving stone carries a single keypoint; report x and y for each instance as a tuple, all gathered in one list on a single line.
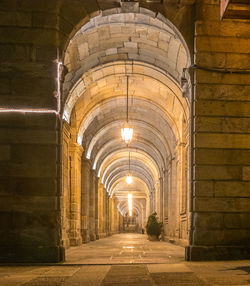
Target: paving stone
[(176, 279)]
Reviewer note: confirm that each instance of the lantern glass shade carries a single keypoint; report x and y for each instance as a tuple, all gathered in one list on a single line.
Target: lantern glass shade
[(127, 134), (129, 179)]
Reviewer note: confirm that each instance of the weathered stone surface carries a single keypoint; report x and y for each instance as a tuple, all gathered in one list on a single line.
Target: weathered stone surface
[(208, 156), (33, 34), (218, 140), (222, 91), (204, 189), (221, 204)]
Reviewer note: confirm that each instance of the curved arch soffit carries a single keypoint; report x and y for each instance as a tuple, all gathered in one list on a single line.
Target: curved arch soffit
[(115, 16), (145, 105), (161, 102), (134, 153), (120, 167), (123, 173), (118, 124), (138, 173), (122, 178), (123, 207), (141, 144)]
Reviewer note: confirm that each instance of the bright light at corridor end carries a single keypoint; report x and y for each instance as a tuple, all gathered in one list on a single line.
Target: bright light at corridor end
[(127, 134), (129, 180), (130, 204)]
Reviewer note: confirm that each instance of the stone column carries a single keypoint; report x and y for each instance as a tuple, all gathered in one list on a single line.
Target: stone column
[(85, 200), (75, 153), (148, 206), (157, 198), (104, 213), (173, 199), (144, 215), (152, 201), (92, 234), (111, 216), (161, 199), (107, 214), (220, 199), (166, 188), (97, 200), (100, 209)]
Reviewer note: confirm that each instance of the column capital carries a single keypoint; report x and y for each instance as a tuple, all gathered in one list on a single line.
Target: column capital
[(74, 147)]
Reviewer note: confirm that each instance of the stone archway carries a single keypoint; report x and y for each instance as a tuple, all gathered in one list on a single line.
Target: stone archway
[(151, 53)]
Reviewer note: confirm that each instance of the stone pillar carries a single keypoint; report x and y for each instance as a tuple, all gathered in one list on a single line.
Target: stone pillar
[(92, 192), (107, 214), (166, 181), (97, 200), (157, 198), (85, 199), (152, 201), (144, 215), (173, 200), (100, 209), (75, 153), (104, 209), (111, 215), (161, 195), (148, 206), (220, 203)]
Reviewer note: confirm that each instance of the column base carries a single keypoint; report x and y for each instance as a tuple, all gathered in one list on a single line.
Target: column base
[(92, 237), (85, 236), (205, 253), (39, 254), (102, 235), (75, 241)]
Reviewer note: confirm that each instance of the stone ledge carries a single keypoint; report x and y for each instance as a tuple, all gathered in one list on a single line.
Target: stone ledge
[(32, 254), (205, 253)]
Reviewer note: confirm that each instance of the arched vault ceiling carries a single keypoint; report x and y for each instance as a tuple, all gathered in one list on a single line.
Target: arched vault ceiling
[(135, 154), (150, 52), (141, 37), (137, 169), (145, 82), (138, 205), (110, 134), (138, 188), (114, 109), (116, 144)]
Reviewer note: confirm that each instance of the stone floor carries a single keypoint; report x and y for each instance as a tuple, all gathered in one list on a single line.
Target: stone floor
[(125, 261), (125, 249)]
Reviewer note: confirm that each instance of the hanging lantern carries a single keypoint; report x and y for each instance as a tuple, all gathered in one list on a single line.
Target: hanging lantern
[(129, 179), (127, 134)]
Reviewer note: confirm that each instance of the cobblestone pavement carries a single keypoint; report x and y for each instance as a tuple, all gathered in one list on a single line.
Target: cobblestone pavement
[(174, 272)]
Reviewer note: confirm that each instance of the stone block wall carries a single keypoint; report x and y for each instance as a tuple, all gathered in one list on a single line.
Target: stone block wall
[(221, 190), (31, 32)]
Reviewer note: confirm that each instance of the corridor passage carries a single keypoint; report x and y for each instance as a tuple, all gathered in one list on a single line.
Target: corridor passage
[(125, 249)]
